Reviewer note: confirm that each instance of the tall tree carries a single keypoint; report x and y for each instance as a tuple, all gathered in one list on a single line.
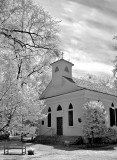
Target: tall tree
[(29, 43)]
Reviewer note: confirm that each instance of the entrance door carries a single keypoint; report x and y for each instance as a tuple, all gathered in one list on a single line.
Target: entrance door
[(59, 126)]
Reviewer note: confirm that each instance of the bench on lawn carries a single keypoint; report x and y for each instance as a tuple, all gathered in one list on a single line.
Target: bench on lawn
[(14, 145)]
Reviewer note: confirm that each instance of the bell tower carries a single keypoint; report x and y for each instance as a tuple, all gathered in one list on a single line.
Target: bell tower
[(61, 68)]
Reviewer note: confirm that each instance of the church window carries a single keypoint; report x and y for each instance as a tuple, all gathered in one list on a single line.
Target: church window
[(70, 115), (112, 117), (70, 106), (42, 122), (59, 108), (116, 115), (49, 109), (56, 69), (112, 105), (49, 117), (66, 69)]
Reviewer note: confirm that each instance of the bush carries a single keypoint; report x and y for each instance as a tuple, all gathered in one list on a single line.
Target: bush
[(94, 117), (110, 136), (97, 140), (4, 136), (31, 152), (79, 141)]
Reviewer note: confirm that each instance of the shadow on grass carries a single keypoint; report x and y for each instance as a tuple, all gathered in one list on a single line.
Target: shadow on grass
[(12, 153), (68, 148), (84, 147)]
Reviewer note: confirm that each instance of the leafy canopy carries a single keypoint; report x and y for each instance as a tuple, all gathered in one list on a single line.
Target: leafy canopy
[(28, 44)]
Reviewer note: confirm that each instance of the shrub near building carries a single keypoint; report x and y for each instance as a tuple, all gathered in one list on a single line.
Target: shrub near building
[(94, 126)]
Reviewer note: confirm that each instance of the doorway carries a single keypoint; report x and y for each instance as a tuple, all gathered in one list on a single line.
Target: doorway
[(59, 126)]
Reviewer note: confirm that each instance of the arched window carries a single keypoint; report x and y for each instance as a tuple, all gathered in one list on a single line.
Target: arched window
[(70, 106), (112, 105), (49, 109), (56, 69), (49, 117), (66, 69), (70, 115), (59, 108), (112, 117)]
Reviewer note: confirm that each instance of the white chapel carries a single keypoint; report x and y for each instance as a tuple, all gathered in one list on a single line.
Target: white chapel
[(65, 98)]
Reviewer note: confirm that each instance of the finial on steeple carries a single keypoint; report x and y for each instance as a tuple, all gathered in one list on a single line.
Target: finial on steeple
[(62, 55)]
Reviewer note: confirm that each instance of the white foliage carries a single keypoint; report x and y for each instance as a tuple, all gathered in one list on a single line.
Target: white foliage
[(94, 119), (29, 43)]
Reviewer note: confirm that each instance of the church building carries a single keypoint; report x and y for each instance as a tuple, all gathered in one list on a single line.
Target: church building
[(65, 99)]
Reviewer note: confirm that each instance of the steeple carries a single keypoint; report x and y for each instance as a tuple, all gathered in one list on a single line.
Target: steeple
[(61, 68)]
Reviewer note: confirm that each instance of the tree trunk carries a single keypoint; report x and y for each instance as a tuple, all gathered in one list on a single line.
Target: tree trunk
[(92, 139)]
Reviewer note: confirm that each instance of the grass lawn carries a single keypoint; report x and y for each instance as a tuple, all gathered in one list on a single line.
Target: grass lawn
[(46, 152)]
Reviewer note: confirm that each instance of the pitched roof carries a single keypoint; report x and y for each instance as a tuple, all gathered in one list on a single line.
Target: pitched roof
[(96, 87), (63, 61), (85, 84)]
